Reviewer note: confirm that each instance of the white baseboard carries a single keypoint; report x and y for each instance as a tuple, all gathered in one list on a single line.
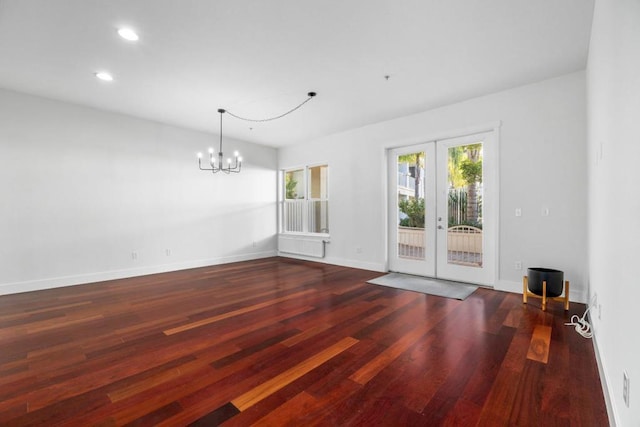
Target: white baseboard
[(606, 390), (58, 282), (372, 266), (575, 295), (508, 286)]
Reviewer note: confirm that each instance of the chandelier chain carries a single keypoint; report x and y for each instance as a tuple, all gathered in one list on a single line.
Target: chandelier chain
[(310, 96)]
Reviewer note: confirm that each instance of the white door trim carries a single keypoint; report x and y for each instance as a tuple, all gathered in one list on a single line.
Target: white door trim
[(492, 170)]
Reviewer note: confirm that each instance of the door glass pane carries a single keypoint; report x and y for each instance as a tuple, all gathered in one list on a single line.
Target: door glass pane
[(464, 210), (411, 207)]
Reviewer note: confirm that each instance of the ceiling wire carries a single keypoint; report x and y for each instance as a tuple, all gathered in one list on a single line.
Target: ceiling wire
[(310, 96)]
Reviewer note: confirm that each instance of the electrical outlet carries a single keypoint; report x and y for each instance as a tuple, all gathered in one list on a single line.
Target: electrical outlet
[(134, 255), (168, 252), (518, 265), (625, 388), (518, 211), (255, 244), (358, 250)]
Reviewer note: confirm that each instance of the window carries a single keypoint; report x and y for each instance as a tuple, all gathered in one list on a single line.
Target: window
[(306, 200)]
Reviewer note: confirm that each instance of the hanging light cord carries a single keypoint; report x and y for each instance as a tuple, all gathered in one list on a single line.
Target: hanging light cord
[(238, 163), (310, 96)]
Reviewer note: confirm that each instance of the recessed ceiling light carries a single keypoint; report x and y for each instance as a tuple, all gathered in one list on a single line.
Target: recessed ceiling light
[(104, 76), (128, 34)]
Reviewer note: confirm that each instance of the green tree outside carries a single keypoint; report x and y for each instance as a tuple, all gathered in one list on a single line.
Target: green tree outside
[(414, 209)]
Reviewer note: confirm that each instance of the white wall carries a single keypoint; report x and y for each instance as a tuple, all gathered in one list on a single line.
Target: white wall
[(613, 86), (542, 163), (81, 189)]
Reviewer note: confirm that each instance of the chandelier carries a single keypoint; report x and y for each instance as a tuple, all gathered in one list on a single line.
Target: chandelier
[(219, 165), (216, 161)]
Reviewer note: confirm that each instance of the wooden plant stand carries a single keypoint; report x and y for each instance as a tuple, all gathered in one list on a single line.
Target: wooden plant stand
[(526, 293)]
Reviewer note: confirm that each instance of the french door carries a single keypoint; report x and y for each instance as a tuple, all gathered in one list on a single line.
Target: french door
[(442, 209)]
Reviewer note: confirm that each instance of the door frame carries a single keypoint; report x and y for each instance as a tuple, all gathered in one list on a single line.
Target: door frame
[(494, 170)]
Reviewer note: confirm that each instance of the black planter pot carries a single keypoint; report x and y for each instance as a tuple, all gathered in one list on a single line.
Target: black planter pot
[(554, 279)]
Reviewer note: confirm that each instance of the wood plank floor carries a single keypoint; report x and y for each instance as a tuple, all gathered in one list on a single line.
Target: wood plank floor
[(286, 342)]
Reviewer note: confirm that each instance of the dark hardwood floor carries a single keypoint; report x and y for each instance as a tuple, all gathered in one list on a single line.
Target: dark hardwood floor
[(286, 342)]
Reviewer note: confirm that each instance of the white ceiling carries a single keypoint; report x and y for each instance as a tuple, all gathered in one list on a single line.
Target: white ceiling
[(258, 58)]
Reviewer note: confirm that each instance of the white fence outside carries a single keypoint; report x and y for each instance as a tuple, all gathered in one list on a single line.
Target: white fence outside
[(464, 244), (411, 242), (464, 238), (293, 216), (317, 216)]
